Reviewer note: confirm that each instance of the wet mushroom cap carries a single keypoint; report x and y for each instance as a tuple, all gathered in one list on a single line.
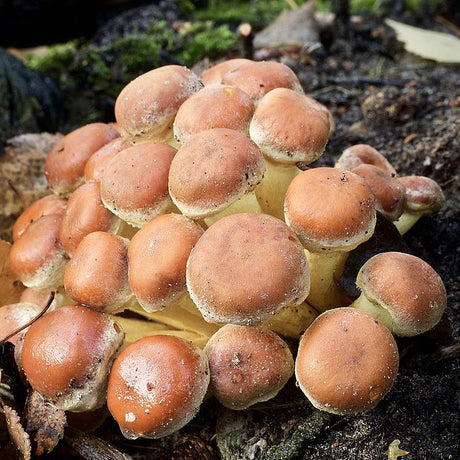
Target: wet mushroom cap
[(157, 256), (146, 107), (247, 364), (156, 386), (85, 213), (258, 78), (407, 287), (213, 169), (97, 273), (346, 362), (330, 209), (424, 195), (66, 356), (214, 106), (290, 127), (215, 73), (65, 164), (50, 204), (134, 185), (246, 267)]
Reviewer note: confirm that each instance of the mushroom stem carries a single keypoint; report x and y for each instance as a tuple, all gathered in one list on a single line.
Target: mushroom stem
[(406, 221), (271, 191), (364, 304), (326, 269)]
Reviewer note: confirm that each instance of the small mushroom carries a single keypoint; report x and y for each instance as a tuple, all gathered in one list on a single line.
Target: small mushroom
[(248, 365), (156, 386), (347, 361), (402, 291), (332, 211), (424, 197), (66, 356), (215, 73)]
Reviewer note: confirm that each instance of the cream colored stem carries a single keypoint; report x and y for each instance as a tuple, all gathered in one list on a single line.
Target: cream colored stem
[(292, 321), (364, 304), (272, 189), (406, 222), (326, 268), (247, 203)]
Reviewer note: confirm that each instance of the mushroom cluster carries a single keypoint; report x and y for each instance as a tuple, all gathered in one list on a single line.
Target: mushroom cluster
[(186, 246)]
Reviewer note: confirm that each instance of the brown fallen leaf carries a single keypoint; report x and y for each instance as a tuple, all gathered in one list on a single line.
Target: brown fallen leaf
[(46, 420), (18, 435), (10, 285)]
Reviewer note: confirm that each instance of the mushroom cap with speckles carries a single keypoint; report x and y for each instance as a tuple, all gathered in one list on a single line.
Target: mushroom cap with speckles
[(214, 106), (156, 386), (66, 356), (146, 106), (290, 127), (212, 170), (407, 287), (157, 256), (134, 185), (246, 267), (347, 361), (248, 365), (424, 195), (330, 209), (215, 73)]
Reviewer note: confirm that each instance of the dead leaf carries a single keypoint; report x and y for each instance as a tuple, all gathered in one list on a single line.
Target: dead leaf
[(18, 435), (438, 46), (48, 422), (10, 285)]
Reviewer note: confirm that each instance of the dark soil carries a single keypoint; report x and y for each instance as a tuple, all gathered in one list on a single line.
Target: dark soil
[(407, 108)]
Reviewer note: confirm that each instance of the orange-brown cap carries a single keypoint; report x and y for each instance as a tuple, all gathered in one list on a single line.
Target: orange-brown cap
[(424, 195), (156, 386), (245, 268), (215, 73), (347, 361), (408, 288), (389, 192), (65, 164), (358, 154), (95, 166), (66, 356), (50, 204), (248, 365), (214, 106), (85, 213), (97, 273), (134, 185), (37, 256), (330, 209), (258, 78), (212, 170), (290, 127), (157, 256), (146, 107)]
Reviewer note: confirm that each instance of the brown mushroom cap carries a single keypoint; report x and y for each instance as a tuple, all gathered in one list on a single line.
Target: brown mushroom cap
[(258, 78), (85, 213), (156, 386), (146, 107), (389, 191), (424, 195), (50, 204), (157, 256), (96, 163), (134, 185), (358, 154), (38, 257), (407, 288), (66, 356), (214, 169), (247, 364), (65, 164), (215, 73), (214, 106), (245, 268), (97, 274), (346, 362), (330, 209), (290, 127)]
